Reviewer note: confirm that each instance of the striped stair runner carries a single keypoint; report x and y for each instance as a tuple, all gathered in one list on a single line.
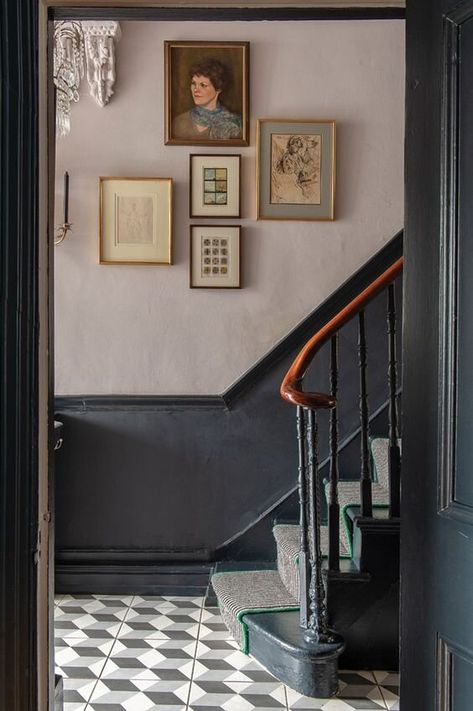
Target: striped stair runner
[(249, 592), (288, 542), (242, 593)]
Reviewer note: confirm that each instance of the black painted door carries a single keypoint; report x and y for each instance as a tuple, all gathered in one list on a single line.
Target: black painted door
[(437, 488)]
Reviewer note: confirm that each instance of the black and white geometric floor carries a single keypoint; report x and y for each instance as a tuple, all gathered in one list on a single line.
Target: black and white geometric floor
[(137, 653)]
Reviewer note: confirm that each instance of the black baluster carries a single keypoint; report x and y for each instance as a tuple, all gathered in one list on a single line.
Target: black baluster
[(394, 458), (334, 507), (317, 623), (365, 481), (303, 523)]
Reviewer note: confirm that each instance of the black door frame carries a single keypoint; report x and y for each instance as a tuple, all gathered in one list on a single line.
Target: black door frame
[(19, 371), (24, 318)]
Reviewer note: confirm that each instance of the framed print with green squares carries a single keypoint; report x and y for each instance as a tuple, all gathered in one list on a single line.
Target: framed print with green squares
[(214, 185)]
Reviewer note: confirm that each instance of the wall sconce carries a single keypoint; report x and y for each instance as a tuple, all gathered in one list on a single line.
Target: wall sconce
[(62, 231)]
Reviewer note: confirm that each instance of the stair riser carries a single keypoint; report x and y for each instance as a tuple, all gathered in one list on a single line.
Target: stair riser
[(376, 547), (289, 572), (367, 616)]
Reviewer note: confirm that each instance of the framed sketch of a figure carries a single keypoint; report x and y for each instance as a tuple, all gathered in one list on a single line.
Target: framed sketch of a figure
[(135, 220), (296, 169), (206, 93)]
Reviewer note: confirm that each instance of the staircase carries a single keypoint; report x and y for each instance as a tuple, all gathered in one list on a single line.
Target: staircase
[(332, 595)]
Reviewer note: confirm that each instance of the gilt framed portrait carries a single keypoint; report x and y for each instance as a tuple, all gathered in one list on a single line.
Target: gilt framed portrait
[(215, 256), (206, 93), (214, 185), (296, 169), (135, 220)]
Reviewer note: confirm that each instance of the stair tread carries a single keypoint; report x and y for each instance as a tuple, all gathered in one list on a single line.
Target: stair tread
[(287, 629), (310, 668), (252, 589), (380, 456), (288, 538), (349, 493), (243, 592), (288, 545)]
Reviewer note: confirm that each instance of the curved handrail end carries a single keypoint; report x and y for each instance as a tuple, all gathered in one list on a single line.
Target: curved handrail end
[(291, 386), (292, 393)]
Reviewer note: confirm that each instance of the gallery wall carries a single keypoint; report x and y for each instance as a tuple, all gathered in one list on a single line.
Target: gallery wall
[(140, 329)]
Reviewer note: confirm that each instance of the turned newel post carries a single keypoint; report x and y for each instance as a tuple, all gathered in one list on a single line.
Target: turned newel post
[(316, 630), (324, 642), (303, 524)]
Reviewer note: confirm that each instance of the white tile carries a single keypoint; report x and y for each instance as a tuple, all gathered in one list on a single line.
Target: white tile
[(391, 699), (237, 696), (387, 677), (351, 696), (78, 690), (93, 601)]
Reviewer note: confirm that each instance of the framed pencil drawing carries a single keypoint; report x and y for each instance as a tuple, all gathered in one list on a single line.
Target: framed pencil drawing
[(214, 185), (135, 220), (215, 256), (207, 94), (296, 169)]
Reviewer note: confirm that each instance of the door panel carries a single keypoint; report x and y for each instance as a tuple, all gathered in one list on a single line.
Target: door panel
[(463, 31), (437, 487), (455, 669)]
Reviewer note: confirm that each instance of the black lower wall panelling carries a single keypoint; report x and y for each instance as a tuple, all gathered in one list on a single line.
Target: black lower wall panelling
[(132, 579)]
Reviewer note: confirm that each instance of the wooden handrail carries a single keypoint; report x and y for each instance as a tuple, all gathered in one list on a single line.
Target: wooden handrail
[(291, 387)]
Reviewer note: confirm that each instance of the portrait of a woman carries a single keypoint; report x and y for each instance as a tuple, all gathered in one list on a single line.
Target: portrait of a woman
[(209, 117), (207, 93)]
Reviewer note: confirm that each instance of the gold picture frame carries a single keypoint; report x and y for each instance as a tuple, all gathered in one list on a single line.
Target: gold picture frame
[(295, 169), (135, 220), (215, 257), (206, 93)]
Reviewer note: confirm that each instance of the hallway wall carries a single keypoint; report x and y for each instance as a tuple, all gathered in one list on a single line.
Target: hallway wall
[(169, 481), (140, 329)]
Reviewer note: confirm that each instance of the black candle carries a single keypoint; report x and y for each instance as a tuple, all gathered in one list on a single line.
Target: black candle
[(66, 197)]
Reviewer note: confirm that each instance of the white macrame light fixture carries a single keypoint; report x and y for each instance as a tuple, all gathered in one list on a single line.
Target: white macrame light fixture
[(69, 60), (77, 46)]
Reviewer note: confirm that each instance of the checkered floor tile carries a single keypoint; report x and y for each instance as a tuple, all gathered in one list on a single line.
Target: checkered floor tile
[(82, 658), (236, 695), (389, 684), (357, 690), (221, 660), (139, 695), (138, 653), (81, 616), (158, 659)]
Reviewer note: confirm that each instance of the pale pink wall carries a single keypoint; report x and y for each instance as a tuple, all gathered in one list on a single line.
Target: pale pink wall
[(140, 329)]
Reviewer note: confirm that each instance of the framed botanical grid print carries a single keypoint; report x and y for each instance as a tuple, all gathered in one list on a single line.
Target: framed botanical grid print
[(215, 256), (214, 185)]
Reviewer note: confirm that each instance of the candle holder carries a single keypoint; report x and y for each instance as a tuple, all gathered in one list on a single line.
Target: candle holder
[(62, 231)]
